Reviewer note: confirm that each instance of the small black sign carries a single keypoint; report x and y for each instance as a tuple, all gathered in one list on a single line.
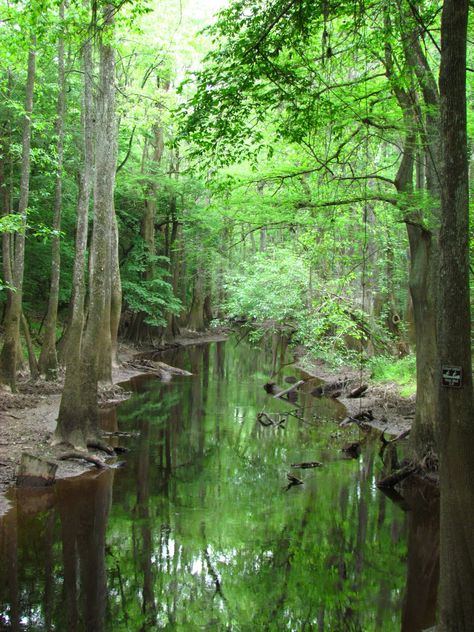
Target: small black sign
[(451, 376)]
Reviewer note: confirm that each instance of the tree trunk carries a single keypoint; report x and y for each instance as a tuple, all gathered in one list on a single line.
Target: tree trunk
[(8, 355), (48, 361), (456, 411), (116, 292), (33, 364), (100, 269), (422, 273), (196, 313), (78, 415), (70, 416)]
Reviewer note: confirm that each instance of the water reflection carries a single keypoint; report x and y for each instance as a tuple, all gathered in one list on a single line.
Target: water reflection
[(200, 534)]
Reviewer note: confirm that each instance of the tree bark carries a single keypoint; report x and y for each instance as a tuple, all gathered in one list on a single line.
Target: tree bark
[(456, 411), (422, 241), (100, 269), (70, 420), (78, 419), (8, 355), (48, 360)]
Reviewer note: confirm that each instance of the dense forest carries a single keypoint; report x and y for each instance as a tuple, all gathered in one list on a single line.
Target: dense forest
[(297, 170)]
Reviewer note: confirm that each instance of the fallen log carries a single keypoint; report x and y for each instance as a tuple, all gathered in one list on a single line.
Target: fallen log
[(172, 369), (358, 392), (289, 390)]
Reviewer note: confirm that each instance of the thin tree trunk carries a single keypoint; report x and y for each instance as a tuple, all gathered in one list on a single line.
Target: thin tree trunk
[(32, 362), (48, 360), (8, 355), (116, 293), (456, 410)]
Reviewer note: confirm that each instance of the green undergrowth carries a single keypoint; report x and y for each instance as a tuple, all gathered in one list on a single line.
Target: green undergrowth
[(385, 370)]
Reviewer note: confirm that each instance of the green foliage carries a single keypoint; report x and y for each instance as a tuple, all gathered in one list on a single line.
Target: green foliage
[(267, 287), (154, 296), (386, 370)]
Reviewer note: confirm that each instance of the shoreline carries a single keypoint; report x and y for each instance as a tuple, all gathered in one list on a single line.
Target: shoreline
[(28, 418)]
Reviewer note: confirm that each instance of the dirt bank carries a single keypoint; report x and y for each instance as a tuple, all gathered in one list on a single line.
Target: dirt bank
[(28, 418), (392, 412)]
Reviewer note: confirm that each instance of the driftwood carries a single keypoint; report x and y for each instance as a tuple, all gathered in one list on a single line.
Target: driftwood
[(77, 454), (289, 390), (398, 476), (307, 464), (358, 392), (156, 367), (34, 471)]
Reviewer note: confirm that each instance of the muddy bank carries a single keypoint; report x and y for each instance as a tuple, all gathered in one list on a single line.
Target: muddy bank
[(392, 412), (28, 418)]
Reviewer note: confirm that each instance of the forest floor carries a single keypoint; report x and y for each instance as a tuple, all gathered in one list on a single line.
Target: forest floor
[(28, 418)]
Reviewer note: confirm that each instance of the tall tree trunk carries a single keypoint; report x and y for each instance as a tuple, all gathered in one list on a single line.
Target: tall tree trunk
[(116, 291), (100, 268), (422, 275), (456, 411), (81, 426), (8, 355), (196, 312), (70, 416), (48, 361), (151, 161)]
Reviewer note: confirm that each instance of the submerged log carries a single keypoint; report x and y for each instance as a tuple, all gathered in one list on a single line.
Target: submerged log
[(307, 464), (34, 471), (294, 480)]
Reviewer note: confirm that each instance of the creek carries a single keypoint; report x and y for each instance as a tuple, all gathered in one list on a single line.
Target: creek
[(199, 530)]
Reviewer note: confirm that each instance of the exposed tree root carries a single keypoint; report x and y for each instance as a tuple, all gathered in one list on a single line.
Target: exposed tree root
[(398, 476), (76, 454), (98, 444)]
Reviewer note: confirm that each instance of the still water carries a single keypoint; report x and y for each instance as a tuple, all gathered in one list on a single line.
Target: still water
[(199, 532)]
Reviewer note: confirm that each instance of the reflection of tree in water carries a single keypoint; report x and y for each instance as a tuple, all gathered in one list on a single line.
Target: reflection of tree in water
[(201, 534), (84, 510)]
